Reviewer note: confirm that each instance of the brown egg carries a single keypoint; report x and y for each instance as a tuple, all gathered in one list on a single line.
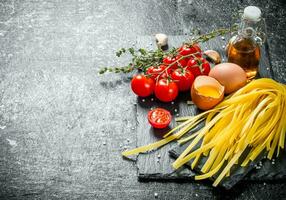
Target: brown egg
[(206, 92), (230, 75)]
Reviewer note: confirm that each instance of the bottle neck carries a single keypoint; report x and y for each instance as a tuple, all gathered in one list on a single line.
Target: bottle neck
[(248, 28)]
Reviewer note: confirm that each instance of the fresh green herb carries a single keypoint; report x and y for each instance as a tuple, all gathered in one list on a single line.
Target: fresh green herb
[(206, 37), (142, 59)]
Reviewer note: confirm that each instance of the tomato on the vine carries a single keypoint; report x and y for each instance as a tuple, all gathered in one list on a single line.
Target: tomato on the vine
[(155, 71), (166, 90), (168, 60), (198, 66), (187, 50), (183, 78), (159, 118), (182, 61), (165, 75), (142, 85)]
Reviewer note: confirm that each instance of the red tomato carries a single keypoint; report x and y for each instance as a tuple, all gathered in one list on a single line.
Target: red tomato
[(198, 66), (165, 75), (184, 79), (154, 71), (187, 50), (197, 47), (166, 90), (159, 118), (183, 62), (142, 86), (206, 68), (169, 60)]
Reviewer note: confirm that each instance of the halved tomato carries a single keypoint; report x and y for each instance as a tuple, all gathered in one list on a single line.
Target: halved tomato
[(159, 118)]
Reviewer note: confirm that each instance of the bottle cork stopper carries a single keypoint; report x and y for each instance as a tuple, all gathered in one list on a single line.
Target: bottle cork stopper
[(252, 13)]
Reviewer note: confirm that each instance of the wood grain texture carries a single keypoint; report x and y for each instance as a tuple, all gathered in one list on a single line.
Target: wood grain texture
[(63, 127)]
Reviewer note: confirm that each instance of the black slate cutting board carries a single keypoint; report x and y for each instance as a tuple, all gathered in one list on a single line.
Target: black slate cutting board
[(265, 170), (156, 165)]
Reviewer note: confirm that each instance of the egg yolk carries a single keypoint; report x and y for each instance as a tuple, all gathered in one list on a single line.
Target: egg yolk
[(209, 91)]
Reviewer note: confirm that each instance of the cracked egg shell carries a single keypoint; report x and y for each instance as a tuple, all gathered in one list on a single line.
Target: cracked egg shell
[(206, 92)]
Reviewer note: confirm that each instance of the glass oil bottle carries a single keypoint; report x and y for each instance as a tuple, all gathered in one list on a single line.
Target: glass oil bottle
[(244, 48)]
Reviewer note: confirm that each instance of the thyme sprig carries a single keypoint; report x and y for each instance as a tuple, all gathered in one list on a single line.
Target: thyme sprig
[(142, 59), (206, 37)]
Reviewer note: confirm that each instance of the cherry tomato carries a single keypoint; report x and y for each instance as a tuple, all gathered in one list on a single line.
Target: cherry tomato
[(155, 71), (198, 66), (197, 47), (183, 78), (183, 62), (206, 68), (142, 85), (165, 75), (169, 60), (187, 50), (166, 90), (159, 118)]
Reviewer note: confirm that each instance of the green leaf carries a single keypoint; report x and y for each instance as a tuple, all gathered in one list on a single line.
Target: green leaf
[(131, 51), (142, 51), (120, 52)]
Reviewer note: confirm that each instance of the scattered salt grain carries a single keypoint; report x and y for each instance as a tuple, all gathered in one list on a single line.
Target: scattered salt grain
[(12, 142), (156, 195)]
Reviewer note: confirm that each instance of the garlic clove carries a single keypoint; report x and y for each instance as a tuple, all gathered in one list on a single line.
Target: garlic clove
[(213, 55), (162, 41)]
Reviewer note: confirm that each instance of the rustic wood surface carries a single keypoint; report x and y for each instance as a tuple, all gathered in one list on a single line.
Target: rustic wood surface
[(63, 126)]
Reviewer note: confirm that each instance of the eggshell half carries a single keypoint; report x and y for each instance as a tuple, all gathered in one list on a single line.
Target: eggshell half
[(206, 102)]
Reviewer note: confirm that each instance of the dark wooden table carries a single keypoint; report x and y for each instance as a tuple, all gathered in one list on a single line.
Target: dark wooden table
[(62, 127)]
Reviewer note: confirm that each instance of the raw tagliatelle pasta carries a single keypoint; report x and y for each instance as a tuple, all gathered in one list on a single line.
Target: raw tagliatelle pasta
[(252, 119)]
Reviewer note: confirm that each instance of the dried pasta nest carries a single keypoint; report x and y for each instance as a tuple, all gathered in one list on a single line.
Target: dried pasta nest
[(252, 119)]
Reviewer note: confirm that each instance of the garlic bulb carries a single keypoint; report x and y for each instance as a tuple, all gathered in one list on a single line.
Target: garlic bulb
[(162, 41)]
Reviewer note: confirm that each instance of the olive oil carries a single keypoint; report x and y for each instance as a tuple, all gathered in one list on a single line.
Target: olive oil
[(246, 53), (243, 49)]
